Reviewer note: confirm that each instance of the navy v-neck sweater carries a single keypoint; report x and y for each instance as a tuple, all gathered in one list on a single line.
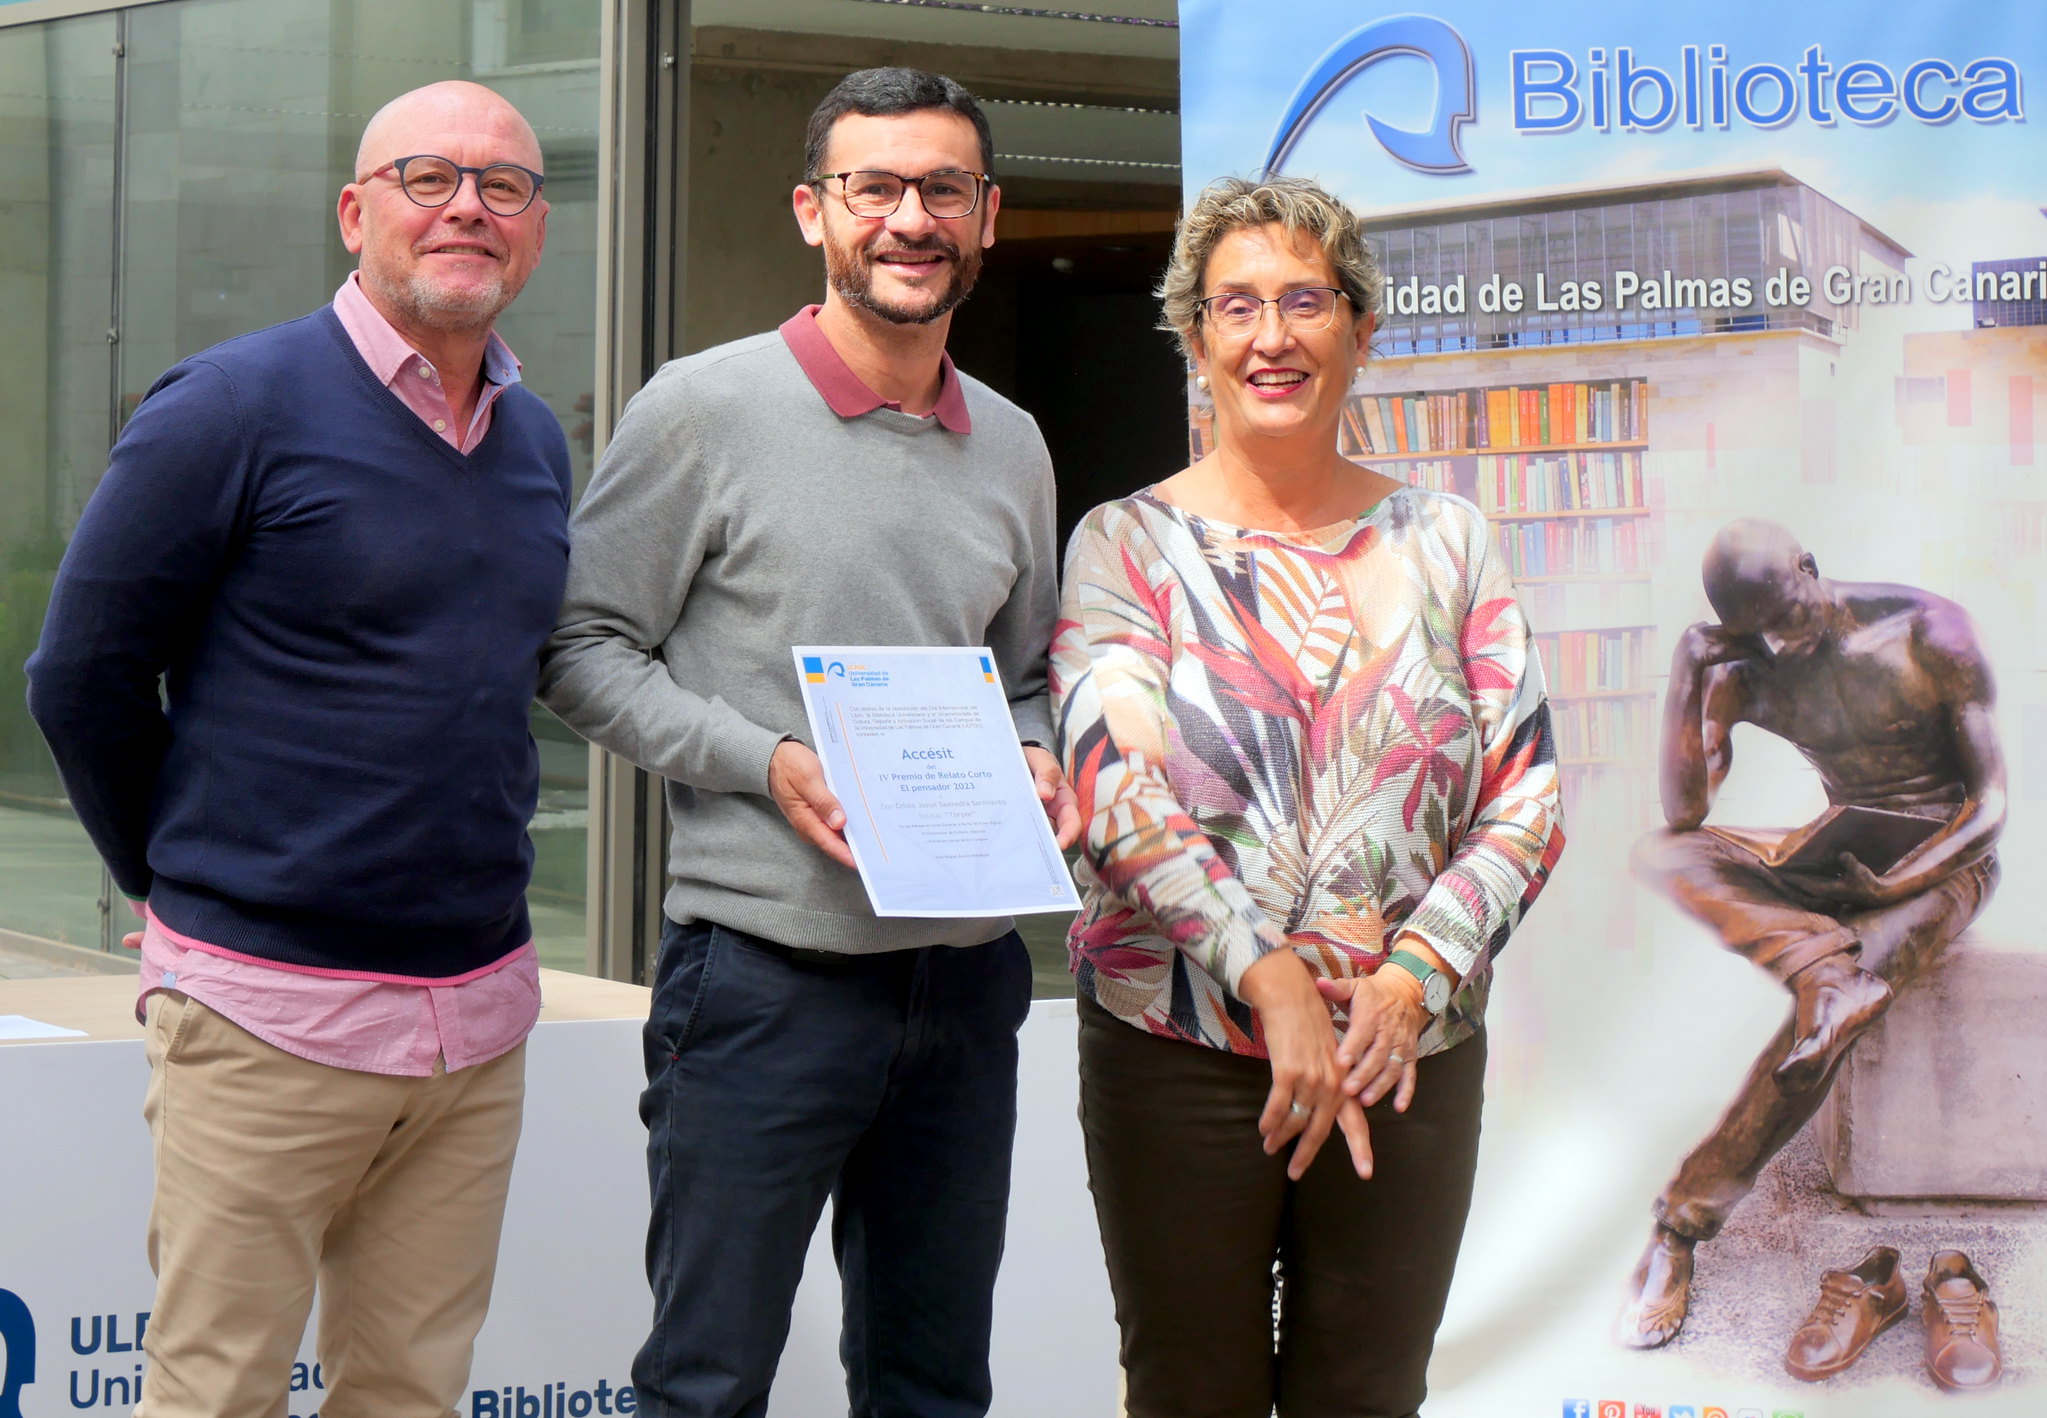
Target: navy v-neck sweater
[(289, 657)]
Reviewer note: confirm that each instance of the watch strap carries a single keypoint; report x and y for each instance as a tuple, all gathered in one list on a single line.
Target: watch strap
[(1435, 984)]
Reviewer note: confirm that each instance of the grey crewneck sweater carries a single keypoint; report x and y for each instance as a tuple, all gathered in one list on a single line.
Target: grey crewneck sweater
[(735, 515)]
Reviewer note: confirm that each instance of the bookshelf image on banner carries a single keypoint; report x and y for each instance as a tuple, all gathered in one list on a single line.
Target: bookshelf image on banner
[(1557, 470)]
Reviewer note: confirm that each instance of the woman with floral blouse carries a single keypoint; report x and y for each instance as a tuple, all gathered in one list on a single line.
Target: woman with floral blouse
[(1299, 703)]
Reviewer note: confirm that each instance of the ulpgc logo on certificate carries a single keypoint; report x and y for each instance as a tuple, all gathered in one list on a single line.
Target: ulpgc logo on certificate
[(941, 812)]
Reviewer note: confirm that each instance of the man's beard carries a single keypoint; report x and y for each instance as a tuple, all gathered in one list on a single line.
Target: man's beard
[(851, 273), (425, 303)]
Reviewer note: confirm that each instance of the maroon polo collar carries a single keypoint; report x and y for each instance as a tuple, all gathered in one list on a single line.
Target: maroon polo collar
[(847, 393)]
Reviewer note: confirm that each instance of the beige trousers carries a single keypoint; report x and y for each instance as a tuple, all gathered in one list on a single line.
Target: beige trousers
[(274, 1174)]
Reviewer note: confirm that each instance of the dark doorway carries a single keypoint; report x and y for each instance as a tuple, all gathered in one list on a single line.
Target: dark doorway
[(1063, 322)]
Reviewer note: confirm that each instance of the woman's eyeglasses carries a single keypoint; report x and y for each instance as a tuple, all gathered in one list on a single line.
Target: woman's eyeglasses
[(1305, 310)]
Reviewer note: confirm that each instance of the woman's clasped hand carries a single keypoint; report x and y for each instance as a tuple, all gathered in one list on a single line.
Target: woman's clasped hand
[(1319, 1083)]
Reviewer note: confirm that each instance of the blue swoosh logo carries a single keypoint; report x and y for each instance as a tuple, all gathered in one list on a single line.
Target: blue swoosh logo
[(1433, 149)]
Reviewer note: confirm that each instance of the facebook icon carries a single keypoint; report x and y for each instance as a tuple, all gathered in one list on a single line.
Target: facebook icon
[(1577, 1408)]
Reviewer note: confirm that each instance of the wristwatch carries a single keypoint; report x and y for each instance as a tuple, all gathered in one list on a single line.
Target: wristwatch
[(1435, 984)]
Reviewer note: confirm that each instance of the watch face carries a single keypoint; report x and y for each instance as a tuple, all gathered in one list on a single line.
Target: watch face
[(1436, 992)]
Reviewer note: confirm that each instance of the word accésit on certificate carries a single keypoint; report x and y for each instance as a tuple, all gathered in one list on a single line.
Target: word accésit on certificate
[(941, 811)]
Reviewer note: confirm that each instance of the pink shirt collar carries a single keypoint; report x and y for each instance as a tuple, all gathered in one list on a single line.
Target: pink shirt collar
[(384, 350), (844, 390)]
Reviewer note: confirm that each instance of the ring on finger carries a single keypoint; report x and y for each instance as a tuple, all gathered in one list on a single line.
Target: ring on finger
[(1397, 1058), (1298, 1108)]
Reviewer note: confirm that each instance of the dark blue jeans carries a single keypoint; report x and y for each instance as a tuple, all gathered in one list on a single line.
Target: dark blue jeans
[(887, 1083)]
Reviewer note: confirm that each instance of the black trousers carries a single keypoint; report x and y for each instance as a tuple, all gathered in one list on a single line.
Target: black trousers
[(887, 1083), (1197, 1223)]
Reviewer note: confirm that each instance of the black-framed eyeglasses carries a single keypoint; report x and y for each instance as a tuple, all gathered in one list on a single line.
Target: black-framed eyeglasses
[(947, 194), (1306, 310), (432, 181)]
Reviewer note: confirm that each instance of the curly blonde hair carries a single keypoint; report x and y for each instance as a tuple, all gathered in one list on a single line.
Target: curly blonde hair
[(1295, 203)]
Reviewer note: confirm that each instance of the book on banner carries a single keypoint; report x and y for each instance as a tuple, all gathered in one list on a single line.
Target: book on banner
[(1877, 838)]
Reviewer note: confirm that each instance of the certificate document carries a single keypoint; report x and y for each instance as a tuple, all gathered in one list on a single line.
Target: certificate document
[(941, 811)]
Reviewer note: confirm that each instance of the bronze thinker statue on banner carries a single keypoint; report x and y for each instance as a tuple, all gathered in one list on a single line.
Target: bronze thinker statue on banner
[(1886, 692)]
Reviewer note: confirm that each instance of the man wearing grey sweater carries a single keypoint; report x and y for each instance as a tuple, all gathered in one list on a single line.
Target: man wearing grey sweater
[(836, 481)]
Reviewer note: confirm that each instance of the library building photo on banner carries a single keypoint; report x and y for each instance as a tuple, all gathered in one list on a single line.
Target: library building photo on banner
[(1734, 328)]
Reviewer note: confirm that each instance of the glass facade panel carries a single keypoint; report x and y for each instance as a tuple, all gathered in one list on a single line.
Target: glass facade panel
[(240, 120), (57, 143)]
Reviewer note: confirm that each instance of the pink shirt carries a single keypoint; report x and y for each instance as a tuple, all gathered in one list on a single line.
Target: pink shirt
[(366, 1022), (411, 375), (370, 1023)]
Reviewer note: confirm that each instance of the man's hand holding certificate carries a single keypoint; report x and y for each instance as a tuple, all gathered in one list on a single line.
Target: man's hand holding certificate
[(942, 812)]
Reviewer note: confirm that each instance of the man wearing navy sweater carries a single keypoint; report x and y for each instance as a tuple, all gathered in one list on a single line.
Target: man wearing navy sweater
[(285, 675)]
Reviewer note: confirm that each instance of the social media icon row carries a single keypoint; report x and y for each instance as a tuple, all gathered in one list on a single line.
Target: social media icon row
[(1617, 1408)]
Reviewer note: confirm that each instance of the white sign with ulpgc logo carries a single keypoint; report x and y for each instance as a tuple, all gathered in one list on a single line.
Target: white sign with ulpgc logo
[(567, 1312), (570, 1306)]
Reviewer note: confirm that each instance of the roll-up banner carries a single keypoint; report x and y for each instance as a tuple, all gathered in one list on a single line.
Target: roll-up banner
[(1733, 322)]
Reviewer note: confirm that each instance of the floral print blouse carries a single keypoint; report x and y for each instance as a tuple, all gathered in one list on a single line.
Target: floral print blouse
[(1309, 740)]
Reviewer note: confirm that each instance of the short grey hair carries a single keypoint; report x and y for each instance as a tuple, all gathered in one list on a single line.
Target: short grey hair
[(1298, 204)]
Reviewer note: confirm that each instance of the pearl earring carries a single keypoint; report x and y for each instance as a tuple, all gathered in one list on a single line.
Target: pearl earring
[(1201, 382)]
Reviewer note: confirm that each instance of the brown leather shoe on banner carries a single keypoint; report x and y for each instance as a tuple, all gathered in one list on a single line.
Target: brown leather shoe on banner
[(1854, 1307), (1961, 1325)]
